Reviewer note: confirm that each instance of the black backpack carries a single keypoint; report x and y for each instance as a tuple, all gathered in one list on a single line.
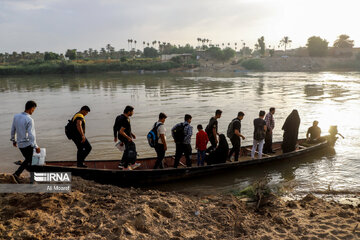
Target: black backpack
[(230, 131), (178, 133), (259, 134), (152, 136), (69, 129)]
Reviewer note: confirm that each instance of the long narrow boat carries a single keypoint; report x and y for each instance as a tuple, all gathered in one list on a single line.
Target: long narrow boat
[(107, 171)]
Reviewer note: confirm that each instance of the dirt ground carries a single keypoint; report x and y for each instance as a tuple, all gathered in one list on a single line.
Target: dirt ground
[(95, 211)]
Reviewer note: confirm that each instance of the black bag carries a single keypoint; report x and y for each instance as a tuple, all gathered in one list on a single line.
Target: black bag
[(152, 136), (69, 129), (230, 131), (178, 133), (131, 152)]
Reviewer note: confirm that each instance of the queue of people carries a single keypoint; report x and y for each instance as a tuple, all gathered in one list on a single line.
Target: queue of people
[(23, 136)]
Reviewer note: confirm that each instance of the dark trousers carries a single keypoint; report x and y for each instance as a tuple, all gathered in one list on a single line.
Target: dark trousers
[(83, 150), (182, 148), (212, 141), (160, 151), (268, 143), (235, 141), (27, 152), (201, 157), (125, 161)]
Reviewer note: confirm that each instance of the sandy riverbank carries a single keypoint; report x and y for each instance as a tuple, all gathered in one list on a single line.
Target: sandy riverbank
[(94, 211)]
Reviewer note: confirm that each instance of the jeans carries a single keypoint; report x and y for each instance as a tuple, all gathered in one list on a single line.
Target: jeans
[(182, 148), (235, 141), (160, 151), (201, 157), (83, 150), (27, 152), (255, 143)]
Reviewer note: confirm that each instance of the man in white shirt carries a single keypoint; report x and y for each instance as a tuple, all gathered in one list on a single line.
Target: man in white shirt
[(161, 146), (23, 136)]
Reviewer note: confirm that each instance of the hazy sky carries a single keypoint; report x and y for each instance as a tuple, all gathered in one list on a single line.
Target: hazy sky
[(56, 25)]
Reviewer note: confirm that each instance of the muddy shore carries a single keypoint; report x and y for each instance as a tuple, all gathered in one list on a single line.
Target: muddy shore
[(95, 211)]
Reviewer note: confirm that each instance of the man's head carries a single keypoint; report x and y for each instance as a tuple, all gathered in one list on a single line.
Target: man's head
[(240, 115), (272, 110), (218, 113), (129, 110), (315, 123), (162, 117), (30, 107), (199, 127), (188, 118), (261, 114), (84, 110)]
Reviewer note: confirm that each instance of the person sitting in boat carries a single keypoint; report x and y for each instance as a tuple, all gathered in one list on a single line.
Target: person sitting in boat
[(313, 133), (291, 131), (220, 154)]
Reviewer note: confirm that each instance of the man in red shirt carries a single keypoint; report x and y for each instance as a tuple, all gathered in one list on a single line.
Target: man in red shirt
[(201, 141)]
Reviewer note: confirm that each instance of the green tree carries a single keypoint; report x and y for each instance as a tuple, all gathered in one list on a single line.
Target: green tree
[(150, 52), (285, 42), (261, 43), (71, 54), (343, 41), (51, 56), (317, 47)]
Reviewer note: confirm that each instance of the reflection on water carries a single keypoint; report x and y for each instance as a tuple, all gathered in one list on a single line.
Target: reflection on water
[(330, 98)]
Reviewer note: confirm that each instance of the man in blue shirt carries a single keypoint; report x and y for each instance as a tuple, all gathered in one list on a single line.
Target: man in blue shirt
[(23, 136), (183, 146)]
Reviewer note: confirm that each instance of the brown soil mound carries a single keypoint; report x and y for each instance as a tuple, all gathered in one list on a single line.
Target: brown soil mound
[(95, 211)]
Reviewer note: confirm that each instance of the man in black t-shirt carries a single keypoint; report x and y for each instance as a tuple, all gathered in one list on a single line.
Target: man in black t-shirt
[(122, 131), (259, 134), (235, 139), (212, 128)]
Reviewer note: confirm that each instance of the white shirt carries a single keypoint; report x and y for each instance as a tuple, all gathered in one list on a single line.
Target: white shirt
[(161, 130)]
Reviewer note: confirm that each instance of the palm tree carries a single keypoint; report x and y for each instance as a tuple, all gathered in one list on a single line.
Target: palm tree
[(143, 45), (285, 42), (135, 43), (343, 41)]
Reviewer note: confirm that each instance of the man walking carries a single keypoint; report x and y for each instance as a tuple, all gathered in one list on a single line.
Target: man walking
[(235, 128), (270, 124), (23, 136), (259, 134), (212, 128), (81, 142), (160, 146), (182, 133), (122, 131)]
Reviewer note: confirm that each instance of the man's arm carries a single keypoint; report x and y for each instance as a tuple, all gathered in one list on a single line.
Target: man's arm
[(32, 136), (13, 131), (237, 133), (122, 133), (116, 129), (162, 137), (214, 134), (79, 128)]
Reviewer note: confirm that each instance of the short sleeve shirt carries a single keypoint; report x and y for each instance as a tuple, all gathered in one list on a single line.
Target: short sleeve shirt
[(125, 123), (213, 123), (161, 130)]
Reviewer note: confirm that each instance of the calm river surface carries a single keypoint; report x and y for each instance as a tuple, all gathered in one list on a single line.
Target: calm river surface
[(329, 97)]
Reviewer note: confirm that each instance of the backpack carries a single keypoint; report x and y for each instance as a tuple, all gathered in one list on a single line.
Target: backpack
[(230, 131), (69, 129), (152, 136), (131, 152), (178, 133)]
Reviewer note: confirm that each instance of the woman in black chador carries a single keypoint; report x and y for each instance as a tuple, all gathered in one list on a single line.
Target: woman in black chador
[(291, 130), (220, 154)]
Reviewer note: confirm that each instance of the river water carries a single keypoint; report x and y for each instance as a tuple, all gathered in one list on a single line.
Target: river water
[(331, 98)]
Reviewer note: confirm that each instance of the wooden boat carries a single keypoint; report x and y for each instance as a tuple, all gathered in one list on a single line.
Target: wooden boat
[(107, 171)]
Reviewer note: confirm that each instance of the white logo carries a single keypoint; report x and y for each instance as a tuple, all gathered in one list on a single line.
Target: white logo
[(52, 177)]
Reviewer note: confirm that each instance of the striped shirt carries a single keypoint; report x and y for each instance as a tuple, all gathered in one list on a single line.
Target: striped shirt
[(269, 119)]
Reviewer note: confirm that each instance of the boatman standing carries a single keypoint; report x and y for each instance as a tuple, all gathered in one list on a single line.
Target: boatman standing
[(23, 136), (270, 125)]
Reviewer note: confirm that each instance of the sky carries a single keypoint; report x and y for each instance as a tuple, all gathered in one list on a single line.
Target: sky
[(58, 25)]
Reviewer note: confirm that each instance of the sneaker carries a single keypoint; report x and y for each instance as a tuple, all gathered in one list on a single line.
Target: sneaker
[(81, 166), (15, 178), (121, 166), (18, 162), (127, 169), (135, 165)]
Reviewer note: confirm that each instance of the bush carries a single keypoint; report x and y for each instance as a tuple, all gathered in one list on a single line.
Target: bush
[(252, 64)]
